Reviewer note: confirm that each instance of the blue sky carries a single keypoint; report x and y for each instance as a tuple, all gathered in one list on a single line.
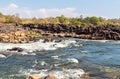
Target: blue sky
[(70, 8)]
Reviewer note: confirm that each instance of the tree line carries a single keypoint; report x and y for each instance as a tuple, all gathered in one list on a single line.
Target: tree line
[(78, 21)]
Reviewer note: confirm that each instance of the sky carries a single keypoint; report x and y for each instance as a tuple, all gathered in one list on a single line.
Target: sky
[(53, 8)]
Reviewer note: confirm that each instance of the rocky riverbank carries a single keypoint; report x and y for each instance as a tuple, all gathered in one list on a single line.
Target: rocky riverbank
[(91, 32), (31, 32), (17, 34)]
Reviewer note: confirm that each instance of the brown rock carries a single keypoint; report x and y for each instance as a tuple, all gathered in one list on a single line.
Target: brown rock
[(50, 77), (34, 76)]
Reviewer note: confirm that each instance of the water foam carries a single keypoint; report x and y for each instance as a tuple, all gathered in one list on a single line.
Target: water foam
[(72, 60), (39, 45), (60, 74), (68, 73), (2, 56)]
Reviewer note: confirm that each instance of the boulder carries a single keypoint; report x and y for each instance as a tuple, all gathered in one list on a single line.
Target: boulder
[(34, 76), (50, 77), (37, 76), (18, 49)]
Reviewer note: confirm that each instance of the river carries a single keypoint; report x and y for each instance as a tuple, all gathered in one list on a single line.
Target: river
[(67, 59)]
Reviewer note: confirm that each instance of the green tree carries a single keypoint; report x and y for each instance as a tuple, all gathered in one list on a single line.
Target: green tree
[(2, 18), (75, 21), (94, 20), (35, 20), (12, 19), (1, 15), (63, 20), (55, 21)]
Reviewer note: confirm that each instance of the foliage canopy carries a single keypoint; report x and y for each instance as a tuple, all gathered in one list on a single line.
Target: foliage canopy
[(78, 21)]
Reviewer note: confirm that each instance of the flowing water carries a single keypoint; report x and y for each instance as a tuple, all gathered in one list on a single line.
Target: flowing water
[(68, 59)]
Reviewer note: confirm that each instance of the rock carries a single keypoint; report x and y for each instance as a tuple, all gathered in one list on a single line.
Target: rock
[(37, 76), (18, 49), (31, 32), (41, 52), (90, 32), (5, 54), (50, 77), (87, 76), (47, 39), (17, 35), (34, 76), (57, 40)]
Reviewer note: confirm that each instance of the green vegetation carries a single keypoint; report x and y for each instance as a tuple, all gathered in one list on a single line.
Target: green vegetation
[(78, 21)]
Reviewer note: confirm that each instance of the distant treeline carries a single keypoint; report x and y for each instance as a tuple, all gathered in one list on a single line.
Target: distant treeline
[(78, 21)]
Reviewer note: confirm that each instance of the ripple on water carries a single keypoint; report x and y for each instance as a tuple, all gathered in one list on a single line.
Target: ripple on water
[(112, 72), (88, 53)]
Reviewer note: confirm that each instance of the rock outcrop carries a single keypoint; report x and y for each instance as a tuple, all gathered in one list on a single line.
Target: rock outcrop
[(90, 32), (31, 32), (17, 35)]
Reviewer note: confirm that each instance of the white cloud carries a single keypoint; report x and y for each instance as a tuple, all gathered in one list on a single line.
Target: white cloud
[(69, 12), (42, 12), (13, 9), (13, 5)]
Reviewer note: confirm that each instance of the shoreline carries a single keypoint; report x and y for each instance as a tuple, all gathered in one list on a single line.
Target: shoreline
[(32, 32)]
